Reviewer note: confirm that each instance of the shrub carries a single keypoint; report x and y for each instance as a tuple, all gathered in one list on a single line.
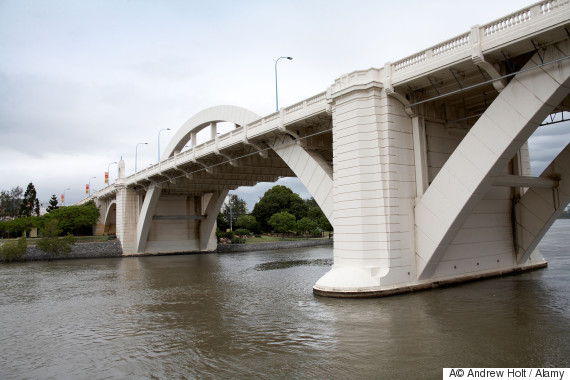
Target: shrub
[(238, 241), (224, 237), (50, 243), (242, 232), (13, 249)]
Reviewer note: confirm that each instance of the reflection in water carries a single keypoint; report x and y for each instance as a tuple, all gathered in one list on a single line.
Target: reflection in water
[(254, 315)]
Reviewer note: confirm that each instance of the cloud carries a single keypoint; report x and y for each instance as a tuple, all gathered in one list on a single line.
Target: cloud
[(546, 143), (82, 83)]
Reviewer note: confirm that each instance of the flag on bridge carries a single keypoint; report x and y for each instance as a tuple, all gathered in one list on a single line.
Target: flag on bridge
[(106, 177), (87, 189)]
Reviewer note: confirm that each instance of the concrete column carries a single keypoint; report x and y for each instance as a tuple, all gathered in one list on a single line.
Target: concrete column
[(374, 191), (539, 207), (146, 214), (121, 169), (100, 225), (207, 225), (126, 217), (213, 130), (420, 155), (313, 171)]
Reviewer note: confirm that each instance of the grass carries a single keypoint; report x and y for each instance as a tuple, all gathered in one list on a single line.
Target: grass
[(89, 239), (268, 239), (79, 239), (284, 264)]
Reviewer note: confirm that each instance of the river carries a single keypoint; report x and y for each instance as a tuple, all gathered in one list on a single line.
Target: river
[(253, 315)]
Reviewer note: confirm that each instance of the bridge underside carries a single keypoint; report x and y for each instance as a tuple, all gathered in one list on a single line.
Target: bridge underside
[(174, 210), (426, 180), (452, 196)]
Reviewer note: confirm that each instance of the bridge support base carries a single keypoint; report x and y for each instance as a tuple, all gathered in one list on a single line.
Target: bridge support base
[(393, 236), (374, 292)]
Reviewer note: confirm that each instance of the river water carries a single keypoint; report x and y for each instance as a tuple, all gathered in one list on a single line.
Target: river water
[(253, 315)]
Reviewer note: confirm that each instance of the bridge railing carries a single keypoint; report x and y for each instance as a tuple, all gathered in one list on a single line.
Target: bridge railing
[(259, 127), (490, 36)]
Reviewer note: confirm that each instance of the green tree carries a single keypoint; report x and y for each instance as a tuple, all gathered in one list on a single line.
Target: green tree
[(278, 199), (77, 220), (50, 241), (19, 226), (11, 250), (249, 223), (233, 209), (283, 222), (221, 222), (317, 215), (30, 203), (52, 203), (10, 202), (307, 225)]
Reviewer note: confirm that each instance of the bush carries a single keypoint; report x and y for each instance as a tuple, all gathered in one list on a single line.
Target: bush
[(283, 222), (50, 243), (224, 237), (249, 223), (242, 232), (13, 249), (78, 220), (227, 235), (238, 241)]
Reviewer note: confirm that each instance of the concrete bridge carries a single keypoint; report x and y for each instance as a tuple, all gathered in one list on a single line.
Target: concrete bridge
[(421, 165)]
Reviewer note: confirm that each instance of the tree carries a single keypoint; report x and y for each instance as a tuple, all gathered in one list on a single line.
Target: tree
[(248, 222), (11, 250), (77, 220), (9, 202), (234, 208), (52, 203), (283, 222), (221, 222), (278, 199), (307, 225), (30, 203), (317, 215), (51, 243)]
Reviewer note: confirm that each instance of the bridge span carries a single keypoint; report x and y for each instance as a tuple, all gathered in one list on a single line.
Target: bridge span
[(422, 165)]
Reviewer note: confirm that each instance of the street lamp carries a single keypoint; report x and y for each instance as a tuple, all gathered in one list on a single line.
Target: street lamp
[(90, 184), (136, 151), (109, 171), (229, 203), (64, 196), (165, 129), (276, 95)]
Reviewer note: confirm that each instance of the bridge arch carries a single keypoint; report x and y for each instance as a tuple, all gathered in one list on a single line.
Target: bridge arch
[(312, 170), (110, 222), (224, 113)]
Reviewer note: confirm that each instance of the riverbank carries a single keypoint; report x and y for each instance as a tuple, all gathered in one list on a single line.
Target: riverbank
[(89, 250), (269, 246), (112, 248)]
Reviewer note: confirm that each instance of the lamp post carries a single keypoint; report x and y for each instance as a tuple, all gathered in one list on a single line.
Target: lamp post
[(90, 184), (229, 203), (276, 94), (109, 171), (64, 196), (136, 151), (165, 129)]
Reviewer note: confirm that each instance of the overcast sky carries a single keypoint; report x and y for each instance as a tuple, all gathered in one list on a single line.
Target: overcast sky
[(82, 82)]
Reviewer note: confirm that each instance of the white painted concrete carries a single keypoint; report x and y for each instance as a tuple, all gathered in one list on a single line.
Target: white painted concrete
[(421, 187)]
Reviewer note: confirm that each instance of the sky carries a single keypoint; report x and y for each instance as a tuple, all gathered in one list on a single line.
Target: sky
[(83, 82)]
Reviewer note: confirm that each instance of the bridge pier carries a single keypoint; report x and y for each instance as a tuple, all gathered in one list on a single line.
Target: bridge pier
[(422, 166), (374, 190), (392, 237)]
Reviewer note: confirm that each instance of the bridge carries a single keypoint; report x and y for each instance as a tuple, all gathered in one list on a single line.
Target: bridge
[(422, 165)]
